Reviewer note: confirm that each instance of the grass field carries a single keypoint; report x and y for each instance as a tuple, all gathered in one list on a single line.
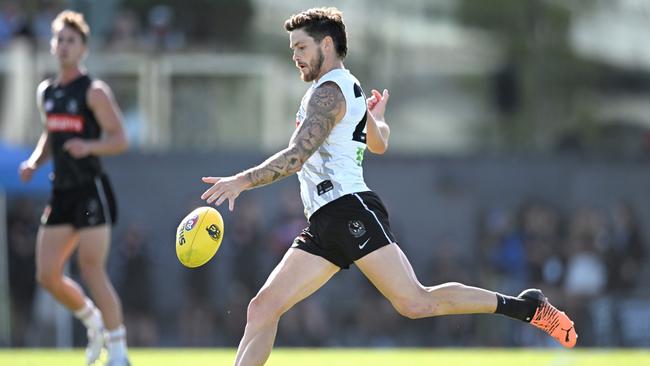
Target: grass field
[(346, 357)]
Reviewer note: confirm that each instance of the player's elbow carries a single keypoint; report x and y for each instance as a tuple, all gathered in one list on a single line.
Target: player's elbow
[(378, 147), (122, 145), (116, 143), (294, 168), (296, 165), (377, 141)]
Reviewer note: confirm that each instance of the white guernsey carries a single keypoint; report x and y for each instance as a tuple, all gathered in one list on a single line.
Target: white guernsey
[(334, 170)]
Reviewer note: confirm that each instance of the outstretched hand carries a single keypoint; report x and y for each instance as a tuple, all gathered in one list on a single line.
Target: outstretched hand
[(223, 188), (26, 171), (377, 104)]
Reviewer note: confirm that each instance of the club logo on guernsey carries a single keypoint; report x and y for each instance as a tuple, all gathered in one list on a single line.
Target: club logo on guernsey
[(72, 106), (356, 228)]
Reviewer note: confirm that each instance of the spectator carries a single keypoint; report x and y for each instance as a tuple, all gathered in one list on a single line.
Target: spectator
[(124, 36), (12, 21), (506, 252), (586, 273), (626, 251), (196, 317), (134, 284), (22, 225), (541, 229), (161, 34), (247, 239), (288, 223), (42, 21)]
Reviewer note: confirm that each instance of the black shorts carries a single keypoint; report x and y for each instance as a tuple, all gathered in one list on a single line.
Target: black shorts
[(89, 205), (347, 229)]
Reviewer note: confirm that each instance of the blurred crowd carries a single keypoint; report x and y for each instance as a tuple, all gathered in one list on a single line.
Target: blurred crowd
[(581, 259), (139, 26), (15, 22), (127, 32), (577, 258)]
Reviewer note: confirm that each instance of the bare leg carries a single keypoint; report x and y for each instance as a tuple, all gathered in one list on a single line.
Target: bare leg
[(390, 271), (94, 243), (54, 245), (297, 276)]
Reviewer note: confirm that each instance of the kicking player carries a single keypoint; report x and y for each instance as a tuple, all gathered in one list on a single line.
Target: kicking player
[(347, 221)]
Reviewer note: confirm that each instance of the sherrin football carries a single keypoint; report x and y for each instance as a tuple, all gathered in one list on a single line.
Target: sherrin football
[(199, 236)]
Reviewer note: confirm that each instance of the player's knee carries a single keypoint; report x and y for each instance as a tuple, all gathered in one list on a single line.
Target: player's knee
[(48, 280), (411, 308), (90, 268), (426, 301), (262, 309), (429, 301)]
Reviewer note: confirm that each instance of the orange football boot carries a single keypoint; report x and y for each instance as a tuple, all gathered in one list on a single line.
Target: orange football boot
[(549, 319)]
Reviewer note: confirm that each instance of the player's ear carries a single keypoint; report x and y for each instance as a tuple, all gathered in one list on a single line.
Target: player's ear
[(328, 43)]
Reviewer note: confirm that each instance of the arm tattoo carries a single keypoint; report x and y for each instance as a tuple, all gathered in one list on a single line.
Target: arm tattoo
[(325, 104)]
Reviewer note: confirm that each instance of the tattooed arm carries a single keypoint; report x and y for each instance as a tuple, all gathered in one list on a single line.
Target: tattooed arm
[(325, 108)]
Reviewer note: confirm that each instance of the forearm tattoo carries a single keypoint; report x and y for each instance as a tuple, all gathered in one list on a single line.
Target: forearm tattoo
[(325, 103)]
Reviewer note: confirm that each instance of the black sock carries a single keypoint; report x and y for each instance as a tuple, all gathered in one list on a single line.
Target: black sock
[(515, 307)]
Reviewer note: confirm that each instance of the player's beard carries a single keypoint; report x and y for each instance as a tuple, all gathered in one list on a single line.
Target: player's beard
[(314, 67)]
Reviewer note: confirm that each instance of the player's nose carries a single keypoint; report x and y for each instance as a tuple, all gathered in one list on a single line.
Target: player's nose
[(295, 57)]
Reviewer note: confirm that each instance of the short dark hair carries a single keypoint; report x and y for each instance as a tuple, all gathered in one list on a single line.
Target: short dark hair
[(74, 20), (319, 23)]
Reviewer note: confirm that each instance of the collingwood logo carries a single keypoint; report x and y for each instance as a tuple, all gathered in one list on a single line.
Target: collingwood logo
[(72, 107), (356, 228)]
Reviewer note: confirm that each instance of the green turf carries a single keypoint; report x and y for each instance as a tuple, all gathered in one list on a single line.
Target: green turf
[(345, 357)]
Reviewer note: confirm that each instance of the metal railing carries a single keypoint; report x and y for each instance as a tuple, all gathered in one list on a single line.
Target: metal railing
[(257, 78)]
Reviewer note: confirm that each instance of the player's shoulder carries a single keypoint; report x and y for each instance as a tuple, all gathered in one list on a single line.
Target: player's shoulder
[(327, 87), (327, 95), (43, 85), (98, 85), (98, 91)]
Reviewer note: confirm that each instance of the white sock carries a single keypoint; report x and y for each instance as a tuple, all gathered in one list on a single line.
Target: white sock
[(116, 343), (90, 316)]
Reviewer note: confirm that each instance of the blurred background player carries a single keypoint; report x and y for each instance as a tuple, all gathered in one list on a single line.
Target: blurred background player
[(348, 223), (81, 122)]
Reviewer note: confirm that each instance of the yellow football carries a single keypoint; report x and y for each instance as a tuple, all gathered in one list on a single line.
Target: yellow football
[(199, 236)]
